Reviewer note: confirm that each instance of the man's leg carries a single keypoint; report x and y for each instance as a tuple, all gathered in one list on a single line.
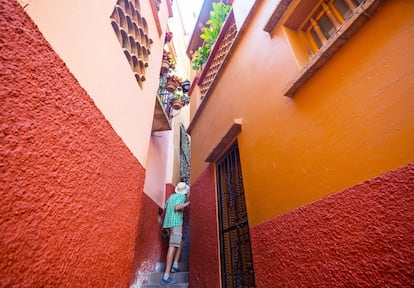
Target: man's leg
[(174, 245), (170, 257), (177, 258)]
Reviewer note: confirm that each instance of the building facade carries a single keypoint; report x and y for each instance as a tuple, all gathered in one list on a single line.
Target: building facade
[(302, 149), (87, 144)]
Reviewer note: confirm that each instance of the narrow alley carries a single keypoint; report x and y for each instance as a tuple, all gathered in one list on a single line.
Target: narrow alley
[(290, 121)]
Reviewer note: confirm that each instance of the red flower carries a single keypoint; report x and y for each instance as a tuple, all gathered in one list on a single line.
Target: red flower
[(168, 36)]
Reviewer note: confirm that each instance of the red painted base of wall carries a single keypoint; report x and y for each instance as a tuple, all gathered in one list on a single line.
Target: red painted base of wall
[(360, 237), (204, 258), (169, 189), (149, 247), (71, 190)]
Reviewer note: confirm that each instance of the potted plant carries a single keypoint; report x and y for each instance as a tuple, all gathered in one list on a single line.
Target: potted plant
[(201, 57), (173, 81), (179, 99), (217, 17), (168, 62)]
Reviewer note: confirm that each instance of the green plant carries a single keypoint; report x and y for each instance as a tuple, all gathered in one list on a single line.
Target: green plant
[(167, 56), (217, 16), (179, 95), (201, 57), (174, 78)]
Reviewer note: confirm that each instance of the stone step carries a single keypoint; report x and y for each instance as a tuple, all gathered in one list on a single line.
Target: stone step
[(181, 285), (182, 265), (154, 278), (180, 277)]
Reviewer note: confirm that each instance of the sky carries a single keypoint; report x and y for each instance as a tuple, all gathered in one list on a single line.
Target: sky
[(190, 10)]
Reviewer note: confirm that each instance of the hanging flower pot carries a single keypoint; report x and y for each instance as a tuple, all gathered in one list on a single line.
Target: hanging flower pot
[(179, 99), (186, 85), (177, 104), (168, 62), (173, 81), (171, 86), (165, 66)]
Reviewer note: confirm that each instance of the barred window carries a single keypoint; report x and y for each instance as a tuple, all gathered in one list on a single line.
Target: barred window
[(316, 29), (325, 19)]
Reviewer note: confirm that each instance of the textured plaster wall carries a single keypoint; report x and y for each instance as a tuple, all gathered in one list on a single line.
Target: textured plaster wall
[(204, 258), (70, 189), (149, 247), (353, 120), (360, 237), (157, 166), (81, 34)]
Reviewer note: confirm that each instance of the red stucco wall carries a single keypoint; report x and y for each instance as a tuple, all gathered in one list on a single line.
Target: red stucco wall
[(70, 189), (149, 247), (204, 259), (360, 237)]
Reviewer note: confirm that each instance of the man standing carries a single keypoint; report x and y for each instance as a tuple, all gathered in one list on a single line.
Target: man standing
[(174, 222)]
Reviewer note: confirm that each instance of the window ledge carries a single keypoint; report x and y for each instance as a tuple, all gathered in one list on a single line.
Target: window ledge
[(361, 15), (276, 15)]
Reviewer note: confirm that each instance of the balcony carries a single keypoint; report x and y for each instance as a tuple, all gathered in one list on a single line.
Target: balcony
[(218, 57), (162, 119), (165, 110)]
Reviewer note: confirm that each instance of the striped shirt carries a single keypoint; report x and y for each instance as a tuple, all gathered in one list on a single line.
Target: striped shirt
[(174, 218)]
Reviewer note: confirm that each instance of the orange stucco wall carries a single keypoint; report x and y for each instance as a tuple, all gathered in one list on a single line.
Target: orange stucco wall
[(353, 120)]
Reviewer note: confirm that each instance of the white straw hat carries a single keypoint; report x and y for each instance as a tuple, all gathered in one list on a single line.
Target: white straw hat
[(182, 188)]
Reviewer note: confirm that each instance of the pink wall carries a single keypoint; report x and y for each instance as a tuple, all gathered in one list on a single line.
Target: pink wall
[(71, 190), (204, 258), (360, 237)]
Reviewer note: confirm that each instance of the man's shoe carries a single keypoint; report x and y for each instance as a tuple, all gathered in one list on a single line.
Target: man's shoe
[(175, 270), (168, 281)]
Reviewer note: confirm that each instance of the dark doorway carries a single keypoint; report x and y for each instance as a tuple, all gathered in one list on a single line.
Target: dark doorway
[(235, 250)]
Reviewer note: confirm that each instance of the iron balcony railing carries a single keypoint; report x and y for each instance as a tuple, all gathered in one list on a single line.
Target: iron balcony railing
[(165, 97)]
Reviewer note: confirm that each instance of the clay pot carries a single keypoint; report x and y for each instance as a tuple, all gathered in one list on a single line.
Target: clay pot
[(171, 86), (177, 104), (165, 66)]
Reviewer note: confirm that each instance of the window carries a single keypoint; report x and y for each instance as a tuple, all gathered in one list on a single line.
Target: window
[(316, 29), (324, 20)]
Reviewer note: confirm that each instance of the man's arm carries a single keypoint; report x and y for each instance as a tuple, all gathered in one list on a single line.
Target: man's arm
[(181, 206)]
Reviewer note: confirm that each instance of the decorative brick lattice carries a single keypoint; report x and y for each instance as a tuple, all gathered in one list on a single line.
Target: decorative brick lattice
[(219, 57), (132, 32)]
